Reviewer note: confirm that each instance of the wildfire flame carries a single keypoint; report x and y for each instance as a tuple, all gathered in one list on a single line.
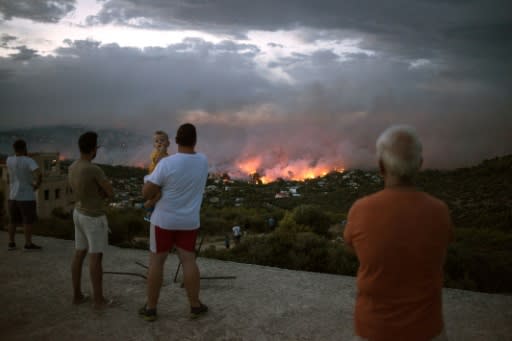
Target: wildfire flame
[(298, 170), (262, 170), (249, 166)]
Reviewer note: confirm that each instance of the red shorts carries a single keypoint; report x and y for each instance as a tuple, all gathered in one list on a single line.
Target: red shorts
[(162, 240)]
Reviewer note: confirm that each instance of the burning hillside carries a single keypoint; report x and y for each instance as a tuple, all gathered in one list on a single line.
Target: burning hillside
[(300, 169)]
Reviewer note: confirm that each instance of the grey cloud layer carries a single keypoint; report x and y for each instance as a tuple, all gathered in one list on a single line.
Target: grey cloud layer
[(5, 39), (36, 10), (443, 66), (416, 26), (473, 38), (87, 82), (24, 53), (334, 110)]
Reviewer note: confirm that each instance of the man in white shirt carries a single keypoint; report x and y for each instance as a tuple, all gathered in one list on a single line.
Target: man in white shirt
[(181, 178), (24, 178)]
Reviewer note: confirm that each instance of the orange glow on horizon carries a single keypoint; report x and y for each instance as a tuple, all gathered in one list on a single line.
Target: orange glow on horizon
[(298, 170), (254, 168), (139, 164)]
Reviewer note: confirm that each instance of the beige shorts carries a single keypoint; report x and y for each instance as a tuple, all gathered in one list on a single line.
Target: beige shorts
[(91, 233), (440, 337)]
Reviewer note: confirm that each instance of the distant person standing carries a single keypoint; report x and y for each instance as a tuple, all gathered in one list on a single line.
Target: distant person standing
[(24, 177), (90, 188), (400, 236), (237, 234), (160, 146), (181, 178), (271, 223)]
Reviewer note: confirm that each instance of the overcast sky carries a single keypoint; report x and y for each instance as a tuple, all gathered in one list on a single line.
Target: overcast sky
[(283, 81)]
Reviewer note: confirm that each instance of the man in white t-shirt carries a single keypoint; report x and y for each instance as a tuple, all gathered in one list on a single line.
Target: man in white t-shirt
[(181, 178), (24, 178)]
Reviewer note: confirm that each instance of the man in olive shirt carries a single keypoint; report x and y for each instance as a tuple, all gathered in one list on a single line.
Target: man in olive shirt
[(90, 188)]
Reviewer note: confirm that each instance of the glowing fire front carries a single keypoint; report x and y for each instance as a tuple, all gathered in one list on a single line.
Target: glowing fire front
[(298, 170)]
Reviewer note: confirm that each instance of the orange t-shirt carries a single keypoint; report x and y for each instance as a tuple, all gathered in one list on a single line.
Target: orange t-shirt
[(400, 237)]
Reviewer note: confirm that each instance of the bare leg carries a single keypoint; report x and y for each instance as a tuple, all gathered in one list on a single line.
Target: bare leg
[(155, 277), (191, 275), (76, 274), (96, 273), (28, 233), (12, 231)]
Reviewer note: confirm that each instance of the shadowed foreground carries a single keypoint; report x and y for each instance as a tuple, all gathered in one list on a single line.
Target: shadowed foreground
[(262, 303)]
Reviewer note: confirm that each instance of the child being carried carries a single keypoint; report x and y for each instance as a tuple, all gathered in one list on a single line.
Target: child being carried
[(160, 145)]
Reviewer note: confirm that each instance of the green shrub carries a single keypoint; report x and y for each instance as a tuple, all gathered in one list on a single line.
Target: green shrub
[(214, 224), (55, 227), (289, 225), (126, 224), (313, 217), (480, 259), (299, 251)]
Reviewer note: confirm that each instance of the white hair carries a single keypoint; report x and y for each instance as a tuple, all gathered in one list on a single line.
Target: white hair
[(399, 149)]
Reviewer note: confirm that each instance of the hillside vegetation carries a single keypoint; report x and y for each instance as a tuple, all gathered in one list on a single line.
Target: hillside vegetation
[(309, 222)]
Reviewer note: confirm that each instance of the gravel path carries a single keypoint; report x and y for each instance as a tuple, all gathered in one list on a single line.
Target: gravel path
[(262, 303)]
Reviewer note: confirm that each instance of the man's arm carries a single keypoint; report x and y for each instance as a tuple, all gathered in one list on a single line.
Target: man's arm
[(349, 248), (106, 187), (150, 190), (37, 178)]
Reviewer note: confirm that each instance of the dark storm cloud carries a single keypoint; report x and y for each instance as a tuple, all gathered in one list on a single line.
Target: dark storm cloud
[(24, 53), (442, 66), (5, 39), (473, 37), (406, 18), (36, 10), (109, 84), (333, 109)]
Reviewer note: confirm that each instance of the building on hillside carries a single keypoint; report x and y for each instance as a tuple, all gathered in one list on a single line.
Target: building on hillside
[(282, 194), (54, 192)]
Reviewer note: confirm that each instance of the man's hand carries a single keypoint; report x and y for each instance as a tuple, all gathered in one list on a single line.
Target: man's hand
[(37, 178)]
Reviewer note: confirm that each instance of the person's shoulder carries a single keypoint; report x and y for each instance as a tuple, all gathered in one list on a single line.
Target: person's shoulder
[(368, 199), (96, 167), (74, 164), (202, 157), (434, 201), (27, 160), (32, 161), (93, 168)]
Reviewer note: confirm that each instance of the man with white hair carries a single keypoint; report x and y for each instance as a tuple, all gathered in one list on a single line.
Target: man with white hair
[(400, 236)]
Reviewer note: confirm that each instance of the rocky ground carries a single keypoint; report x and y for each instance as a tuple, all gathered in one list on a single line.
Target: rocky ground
[(261, 303)]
